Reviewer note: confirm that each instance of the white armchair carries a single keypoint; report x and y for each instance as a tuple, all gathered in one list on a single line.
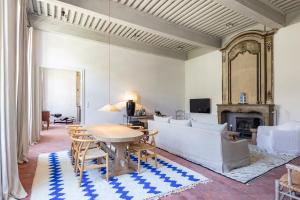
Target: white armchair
[(281, 139)]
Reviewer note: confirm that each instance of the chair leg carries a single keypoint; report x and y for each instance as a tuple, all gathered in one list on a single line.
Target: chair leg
[(276, 189), (155, 157), (72, 155), (107, 167), (76, 163), (81, 172), (290, 193), (146, 155), (128, 157), (139, 161), (76, 167)]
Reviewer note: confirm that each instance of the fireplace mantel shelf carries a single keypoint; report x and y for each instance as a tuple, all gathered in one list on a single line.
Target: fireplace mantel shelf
[(245, 104)]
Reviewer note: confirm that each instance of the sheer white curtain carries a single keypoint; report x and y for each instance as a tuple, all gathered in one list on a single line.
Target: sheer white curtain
[(22, 82), (29, 104), (10, 186), (34, 92)]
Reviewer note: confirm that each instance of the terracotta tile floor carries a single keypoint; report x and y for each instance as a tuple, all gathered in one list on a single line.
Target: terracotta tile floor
[(262, 188)]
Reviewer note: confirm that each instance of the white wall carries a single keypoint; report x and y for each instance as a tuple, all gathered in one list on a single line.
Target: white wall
[(158, 80), (287, 72), (204, 75), (59, 91), (203, 79)]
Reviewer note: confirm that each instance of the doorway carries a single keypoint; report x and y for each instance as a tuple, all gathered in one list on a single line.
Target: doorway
[(63, 95)]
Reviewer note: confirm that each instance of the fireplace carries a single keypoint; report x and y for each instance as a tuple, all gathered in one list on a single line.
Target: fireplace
[(244, 124), (243, 117)]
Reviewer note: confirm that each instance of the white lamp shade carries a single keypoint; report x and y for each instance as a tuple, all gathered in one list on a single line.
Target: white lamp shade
[(120, 105), (131, 96), (109, 108)]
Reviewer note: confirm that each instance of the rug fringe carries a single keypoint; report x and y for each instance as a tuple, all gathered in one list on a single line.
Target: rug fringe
[(181, 189)]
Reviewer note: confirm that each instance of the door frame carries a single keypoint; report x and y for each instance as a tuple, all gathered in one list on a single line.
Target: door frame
[(82, 85)]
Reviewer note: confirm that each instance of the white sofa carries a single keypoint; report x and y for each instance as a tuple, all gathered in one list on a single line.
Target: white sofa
[(207, 147), (281, 139)]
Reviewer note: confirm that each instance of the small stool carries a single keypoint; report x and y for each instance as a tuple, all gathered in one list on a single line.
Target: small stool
[(254, 135), (233, 136)]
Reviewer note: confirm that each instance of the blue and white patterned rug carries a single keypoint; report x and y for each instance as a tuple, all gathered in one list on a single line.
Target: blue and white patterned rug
[(55, 179)]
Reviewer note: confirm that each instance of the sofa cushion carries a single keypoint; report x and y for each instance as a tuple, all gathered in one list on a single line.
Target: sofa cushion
[(181, 122), (162, 119), (208, 126)]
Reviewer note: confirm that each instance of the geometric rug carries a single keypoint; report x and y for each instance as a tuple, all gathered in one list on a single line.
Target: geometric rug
[(55, 179), (261, 163)]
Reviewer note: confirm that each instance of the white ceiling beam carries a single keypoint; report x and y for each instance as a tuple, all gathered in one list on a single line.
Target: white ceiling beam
[(47, 24), (257, 11), (147, 22)]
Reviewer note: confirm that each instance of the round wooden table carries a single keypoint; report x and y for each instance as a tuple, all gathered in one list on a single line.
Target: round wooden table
[(120, 137)]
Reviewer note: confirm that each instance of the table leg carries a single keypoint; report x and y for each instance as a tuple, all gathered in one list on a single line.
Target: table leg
[(120, 163)]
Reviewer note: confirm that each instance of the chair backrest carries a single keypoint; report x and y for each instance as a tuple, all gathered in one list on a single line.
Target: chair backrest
[(79, 137), (72, 126), (78, 130), (180, 114), (152, 136), (293, 176), (82, 142)]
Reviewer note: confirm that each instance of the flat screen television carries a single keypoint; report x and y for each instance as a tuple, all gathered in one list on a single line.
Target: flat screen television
[(200, 105)]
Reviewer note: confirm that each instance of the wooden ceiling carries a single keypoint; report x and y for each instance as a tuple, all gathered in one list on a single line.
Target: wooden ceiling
[(176, 26), (284, 6), (199, 15), (99, 23)]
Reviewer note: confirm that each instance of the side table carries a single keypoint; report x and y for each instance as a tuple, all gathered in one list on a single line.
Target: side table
[(233, 135)]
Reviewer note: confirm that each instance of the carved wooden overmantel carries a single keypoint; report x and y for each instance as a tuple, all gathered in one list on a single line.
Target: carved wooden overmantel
[(247, 62), (247, 66)]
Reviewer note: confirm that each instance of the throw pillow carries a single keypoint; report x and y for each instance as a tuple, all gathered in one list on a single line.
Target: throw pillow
[(207, 126), (184, 122), (162, 119)]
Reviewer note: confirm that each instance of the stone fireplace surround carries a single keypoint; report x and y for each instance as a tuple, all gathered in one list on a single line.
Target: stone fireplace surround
[(230, 112), (243, 122)]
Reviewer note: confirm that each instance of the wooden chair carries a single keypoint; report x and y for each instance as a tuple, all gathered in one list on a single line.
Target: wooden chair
[(46, 118), (72, 130), (289, 184), (142, 129), (141, 150), (84, 153), (79, 133), (73, 126)]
